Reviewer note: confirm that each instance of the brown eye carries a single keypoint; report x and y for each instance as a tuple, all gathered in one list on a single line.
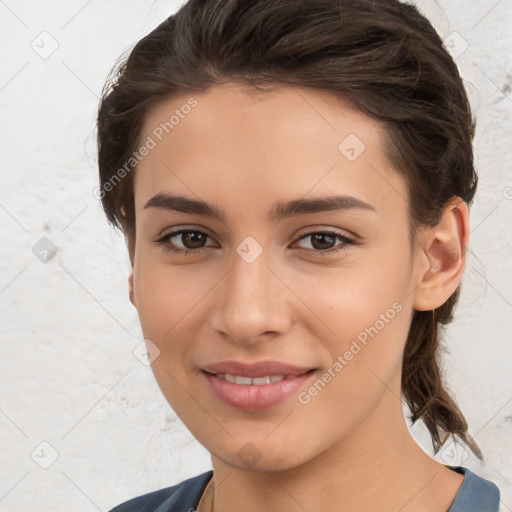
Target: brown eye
[(324, 242), (191, 240)]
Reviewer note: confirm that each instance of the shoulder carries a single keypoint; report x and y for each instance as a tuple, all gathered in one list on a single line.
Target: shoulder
[(476, 494), (179, 497)]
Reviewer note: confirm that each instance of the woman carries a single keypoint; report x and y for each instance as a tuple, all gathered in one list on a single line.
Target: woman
[(293, 182)]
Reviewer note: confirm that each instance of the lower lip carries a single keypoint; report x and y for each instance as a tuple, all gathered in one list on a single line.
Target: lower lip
[(254, 397)]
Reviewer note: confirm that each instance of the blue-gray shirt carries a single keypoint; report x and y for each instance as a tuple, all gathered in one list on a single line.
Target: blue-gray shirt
[(476, 494)]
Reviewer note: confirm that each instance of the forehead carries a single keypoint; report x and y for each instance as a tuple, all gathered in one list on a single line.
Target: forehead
[(237, 146)]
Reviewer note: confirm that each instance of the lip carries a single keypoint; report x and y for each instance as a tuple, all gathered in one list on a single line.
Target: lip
[(255, 397), (258, 369)]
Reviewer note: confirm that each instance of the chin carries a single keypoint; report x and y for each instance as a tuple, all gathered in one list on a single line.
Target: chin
[(264, 455)]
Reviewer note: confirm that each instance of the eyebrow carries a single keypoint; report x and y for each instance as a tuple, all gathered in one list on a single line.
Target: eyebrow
[(280, 210)]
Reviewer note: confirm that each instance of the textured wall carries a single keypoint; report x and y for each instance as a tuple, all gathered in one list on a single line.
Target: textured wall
[(69, 378)]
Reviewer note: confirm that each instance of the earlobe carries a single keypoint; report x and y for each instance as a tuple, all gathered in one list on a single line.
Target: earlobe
[(130, 284), (444, 246)]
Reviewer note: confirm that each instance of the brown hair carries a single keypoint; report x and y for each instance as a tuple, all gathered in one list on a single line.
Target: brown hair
[(382, 57)]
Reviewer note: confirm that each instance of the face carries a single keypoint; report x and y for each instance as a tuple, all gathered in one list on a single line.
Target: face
[(270, 273)]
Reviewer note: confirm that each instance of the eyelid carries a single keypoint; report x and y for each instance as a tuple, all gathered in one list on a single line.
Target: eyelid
[(183, 227), (309, 230), (162, 239), (344, 242)]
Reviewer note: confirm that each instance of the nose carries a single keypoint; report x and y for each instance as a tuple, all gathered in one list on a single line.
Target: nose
[(251, 302)]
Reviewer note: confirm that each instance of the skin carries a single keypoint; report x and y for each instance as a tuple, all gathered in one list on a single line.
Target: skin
[(349, 448)]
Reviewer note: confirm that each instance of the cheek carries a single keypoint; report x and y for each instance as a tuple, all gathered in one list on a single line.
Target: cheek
[(165, 297), (365, 354), (165, 303), (363, 298), (367, 311)]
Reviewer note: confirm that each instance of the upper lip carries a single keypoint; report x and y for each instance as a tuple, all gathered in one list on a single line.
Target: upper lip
[(258, 369)]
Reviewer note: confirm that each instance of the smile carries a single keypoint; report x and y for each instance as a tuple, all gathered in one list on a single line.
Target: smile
[(248, 381), (254, 393)]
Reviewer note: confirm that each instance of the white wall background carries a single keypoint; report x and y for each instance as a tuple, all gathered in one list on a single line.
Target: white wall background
[(68, 374)]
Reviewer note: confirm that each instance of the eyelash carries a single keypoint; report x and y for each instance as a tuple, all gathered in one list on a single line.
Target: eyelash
[(163, 241)]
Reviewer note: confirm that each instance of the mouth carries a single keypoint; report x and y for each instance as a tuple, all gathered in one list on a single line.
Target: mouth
[(255, 381), (255, 387), (256, 370)]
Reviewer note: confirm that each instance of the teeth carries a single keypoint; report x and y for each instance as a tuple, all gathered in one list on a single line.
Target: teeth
[(243, 380), (261, 380), (246, 381)]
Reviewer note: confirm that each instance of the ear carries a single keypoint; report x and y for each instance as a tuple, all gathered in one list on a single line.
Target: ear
[(444, 247), (130, 284)]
